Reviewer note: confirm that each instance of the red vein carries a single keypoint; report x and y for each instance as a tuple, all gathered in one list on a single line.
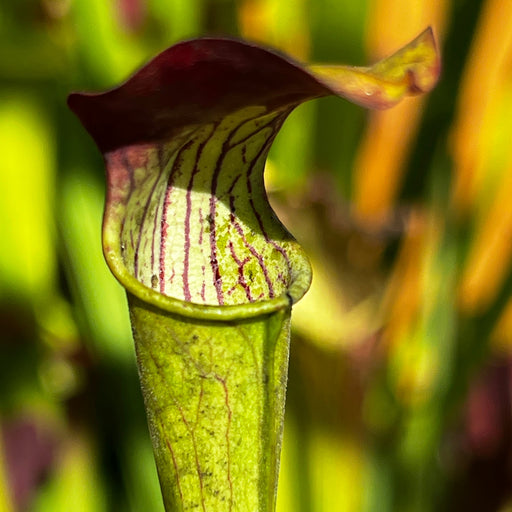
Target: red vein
[(162, 166), (186, 257), (143, 219), (175, 464), (257, 255), (241, 277), (226, 146), (228, 429), (217, 279), (203, 284), (250, 134), (164, 226), (257, 214), (201, 227)]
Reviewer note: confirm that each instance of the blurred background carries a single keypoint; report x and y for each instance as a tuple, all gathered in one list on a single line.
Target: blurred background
[(399, 397)]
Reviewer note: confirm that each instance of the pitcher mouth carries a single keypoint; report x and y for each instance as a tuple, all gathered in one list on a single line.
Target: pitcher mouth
[(187, 224)]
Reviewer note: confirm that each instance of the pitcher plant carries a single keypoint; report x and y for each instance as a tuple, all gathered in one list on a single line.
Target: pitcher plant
[(210, 273)]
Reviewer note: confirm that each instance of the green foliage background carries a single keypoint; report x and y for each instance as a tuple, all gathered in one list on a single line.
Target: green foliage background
[(400, 377)]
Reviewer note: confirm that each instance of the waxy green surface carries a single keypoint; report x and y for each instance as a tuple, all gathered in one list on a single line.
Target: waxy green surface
[(214, 392)]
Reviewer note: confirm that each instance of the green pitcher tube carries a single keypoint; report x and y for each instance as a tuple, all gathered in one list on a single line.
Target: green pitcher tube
[(211, 274), (214, 395)]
